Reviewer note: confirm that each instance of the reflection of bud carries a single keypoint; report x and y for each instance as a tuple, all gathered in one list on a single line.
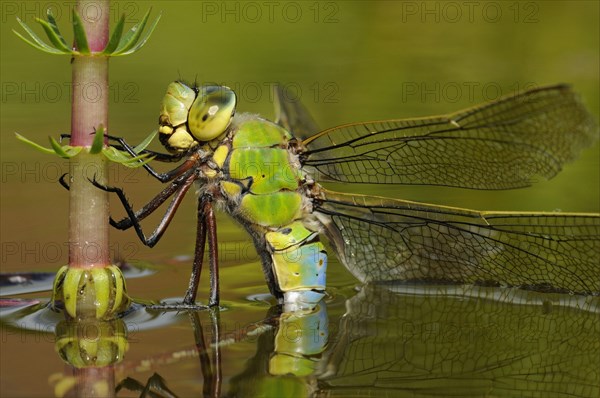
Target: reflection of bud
[(98, 292), (91, 343)]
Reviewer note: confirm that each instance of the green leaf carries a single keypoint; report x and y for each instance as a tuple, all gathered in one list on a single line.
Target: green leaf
[(60, 151), (79, 33), (39, 43), (114, 155), (66, 151), (56, 40), (45, 48), (131, 37), (35, 145), (72, 150), (143, 41), (98, 142), (54, 26), (137, 161), (115, 37), (142, 145)]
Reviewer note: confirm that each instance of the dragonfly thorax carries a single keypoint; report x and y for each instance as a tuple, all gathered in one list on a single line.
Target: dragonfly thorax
[(192, 115)]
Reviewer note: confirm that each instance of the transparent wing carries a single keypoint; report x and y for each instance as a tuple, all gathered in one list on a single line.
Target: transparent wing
[(504, 144), (380, 239), (292, 115)]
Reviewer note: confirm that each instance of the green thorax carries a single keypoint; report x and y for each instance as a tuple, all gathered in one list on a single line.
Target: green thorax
[(268, 175), (260, 133)]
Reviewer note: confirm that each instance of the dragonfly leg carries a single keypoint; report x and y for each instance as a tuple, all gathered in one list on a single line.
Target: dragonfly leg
[(158, 156), (213, 255), (206, 225), (170, 175), (145, 211), (161, 157), (62, 182), (151, 206), (165, 221), (125, 146), (190, 294)]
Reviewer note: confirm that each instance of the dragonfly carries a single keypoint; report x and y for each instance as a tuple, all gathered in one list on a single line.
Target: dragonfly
[(271, 177)]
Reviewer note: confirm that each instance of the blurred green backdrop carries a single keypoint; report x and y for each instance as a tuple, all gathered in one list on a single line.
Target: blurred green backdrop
[(347, 61)]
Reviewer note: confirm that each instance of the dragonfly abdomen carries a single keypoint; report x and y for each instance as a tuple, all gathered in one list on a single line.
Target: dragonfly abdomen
[(299, 258)]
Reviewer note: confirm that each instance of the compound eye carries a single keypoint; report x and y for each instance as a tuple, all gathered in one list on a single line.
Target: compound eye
[(176, 104), (211, 112)]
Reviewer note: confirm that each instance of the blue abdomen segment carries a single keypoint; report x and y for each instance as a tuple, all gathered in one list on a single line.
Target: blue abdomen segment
[(301, 267), (299, 260)]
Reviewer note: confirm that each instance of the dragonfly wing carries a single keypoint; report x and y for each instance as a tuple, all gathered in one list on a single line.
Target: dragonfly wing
[(508, 143), (292, 115), (380, 239)]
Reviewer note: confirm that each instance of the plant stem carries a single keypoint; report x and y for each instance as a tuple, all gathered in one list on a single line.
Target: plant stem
[(90, 287), (88, 213)]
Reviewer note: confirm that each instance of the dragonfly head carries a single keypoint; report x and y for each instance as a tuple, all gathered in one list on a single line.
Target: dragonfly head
[(191, 115)]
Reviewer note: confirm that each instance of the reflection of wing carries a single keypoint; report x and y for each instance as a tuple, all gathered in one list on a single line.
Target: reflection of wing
[(381, 239), (292, 115), (442, 343), (499, 145)]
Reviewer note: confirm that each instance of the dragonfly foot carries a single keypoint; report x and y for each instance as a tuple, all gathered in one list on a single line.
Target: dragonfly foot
[(99, 185), (64, 183)]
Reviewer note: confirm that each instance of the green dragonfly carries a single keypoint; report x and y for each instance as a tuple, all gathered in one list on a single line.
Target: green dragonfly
[(267, 176)]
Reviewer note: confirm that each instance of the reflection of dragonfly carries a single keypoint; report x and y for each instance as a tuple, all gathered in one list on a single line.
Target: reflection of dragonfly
[(264, 177), (473, 341), (393, 340)]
